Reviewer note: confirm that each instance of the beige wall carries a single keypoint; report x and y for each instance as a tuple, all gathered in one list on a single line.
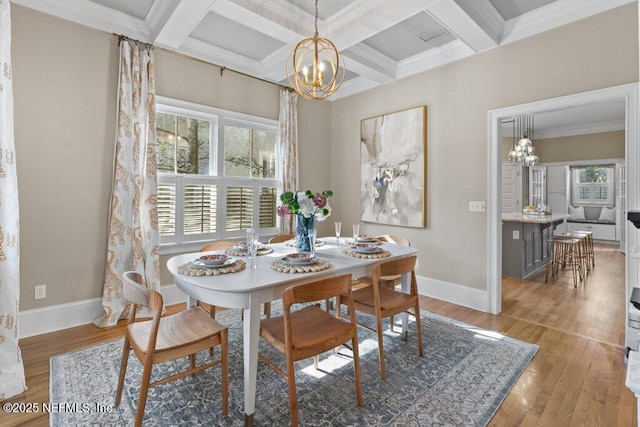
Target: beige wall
[(594, 146), (65, 78), (597, 52)]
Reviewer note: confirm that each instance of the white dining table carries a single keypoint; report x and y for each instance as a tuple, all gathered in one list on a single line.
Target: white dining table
[(251, 287)]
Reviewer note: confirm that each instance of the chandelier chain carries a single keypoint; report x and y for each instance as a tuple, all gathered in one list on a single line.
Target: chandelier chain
[(316, 33)]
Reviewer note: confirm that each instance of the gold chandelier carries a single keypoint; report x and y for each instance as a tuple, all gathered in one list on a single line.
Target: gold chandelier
[(315, 68)]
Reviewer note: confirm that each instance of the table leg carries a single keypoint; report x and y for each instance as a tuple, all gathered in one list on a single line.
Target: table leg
[(251, 335), (404, 287)]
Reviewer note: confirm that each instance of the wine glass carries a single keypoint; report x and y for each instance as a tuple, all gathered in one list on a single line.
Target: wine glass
[(312, 241), (356, 231), (338, 226)]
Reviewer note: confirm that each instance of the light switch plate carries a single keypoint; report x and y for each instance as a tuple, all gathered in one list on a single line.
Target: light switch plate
[(516, 234), (477, 206)]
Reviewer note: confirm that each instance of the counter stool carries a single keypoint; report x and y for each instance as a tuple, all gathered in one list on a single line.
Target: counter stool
[(567, 252), (585, 253), (589, 245)]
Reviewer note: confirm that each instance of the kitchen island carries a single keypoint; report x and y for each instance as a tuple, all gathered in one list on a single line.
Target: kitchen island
[(525, 242)]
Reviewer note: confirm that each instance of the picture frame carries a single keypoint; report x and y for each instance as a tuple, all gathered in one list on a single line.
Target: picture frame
[(393, 168)]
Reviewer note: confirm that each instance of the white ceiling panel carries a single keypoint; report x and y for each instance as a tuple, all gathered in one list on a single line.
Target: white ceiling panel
[(410, 37), (510, 9), (138, 8), (380, 40), (233, 36)]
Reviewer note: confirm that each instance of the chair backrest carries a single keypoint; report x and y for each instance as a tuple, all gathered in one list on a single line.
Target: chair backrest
[(317, 291), (397, 266), (281, 238), (398, 240), (220, 244), (139, 295)]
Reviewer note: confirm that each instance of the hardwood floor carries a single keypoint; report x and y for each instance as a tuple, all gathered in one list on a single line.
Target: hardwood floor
[(576, 378)]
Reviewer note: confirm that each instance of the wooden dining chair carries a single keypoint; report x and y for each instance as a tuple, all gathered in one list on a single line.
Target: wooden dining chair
[(167, 338), (215, 246), (310, 331), (381, 301), (395, 280), (279, 238)]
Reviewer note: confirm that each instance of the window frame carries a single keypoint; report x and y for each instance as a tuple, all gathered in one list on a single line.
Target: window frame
[(576, 186), (219, 118)]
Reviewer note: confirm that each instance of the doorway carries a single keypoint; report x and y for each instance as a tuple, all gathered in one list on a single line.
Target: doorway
[(627, 94)]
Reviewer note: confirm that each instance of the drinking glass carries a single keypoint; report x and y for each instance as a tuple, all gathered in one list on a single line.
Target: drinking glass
[(252, 246), (338, 226), (312, 241), (356, 231)]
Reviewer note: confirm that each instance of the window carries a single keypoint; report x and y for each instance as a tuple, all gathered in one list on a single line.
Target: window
[(592, 185), (216, 174)]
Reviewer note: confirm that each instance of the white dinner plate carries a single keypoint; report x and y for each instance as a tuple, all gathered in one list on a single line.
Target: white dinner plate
[(227, 263)]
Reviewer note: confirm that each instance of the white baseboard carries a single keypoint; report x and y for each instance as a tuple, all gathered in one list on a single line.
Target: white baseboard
[(451, 292), (57, 317), (62, 316)]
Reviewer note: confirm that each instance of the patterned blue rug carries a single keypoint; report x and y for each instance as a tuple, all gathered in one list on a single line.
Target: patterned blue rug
[(463, 378)]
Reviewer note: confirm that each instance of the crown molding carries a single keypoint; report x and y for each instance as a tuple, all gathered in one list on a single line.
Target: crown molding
[(554, 15), (384, 66), (220, 56), (92, 15), (284, 14), (353, 12)]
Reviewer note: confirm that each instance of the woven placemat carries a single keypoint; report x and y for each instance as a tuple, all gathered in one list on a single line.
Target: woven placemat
[(284, 267), (237, 252), (354, 254), (292, 243), (191, 269)]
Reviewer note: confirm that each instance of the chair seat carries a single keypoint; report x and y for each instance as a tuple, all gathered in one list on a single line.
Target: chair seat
[(389, 299), (180, 329), (311, 326)]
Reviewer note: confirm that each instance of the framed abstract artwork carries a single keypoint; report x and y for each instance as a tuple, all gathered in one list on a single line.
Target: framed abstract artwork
[(393, 168)]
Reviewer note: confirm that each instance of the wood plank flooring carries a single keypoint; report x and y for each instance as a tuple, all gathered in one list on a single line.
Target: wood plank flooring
[(576, 378)]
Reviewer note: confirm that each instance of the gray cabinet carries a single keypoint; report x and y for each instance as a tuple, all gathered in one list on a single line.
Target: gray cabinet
[(524, 247)]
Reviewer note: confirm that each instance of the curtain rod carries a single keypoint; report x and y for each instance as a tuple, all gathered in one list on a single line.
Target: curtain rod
[(183, 55)]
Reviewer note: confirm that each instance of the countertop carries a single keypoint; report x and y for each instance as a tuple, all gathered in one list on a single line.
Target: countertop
[(533, 219)]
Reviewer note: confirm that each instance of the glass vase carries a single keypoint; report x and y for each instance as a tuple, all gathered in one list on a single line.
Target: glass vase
[(304, 225)]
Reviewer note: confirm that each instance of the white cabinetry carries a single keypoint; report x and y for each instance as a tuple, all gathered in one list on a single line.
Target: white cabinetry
[(538, 186), (600, 231)]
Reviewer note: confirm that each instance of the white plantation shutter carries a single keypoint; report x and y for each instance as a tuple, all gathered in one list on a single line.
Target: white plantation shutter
[(239, 208), (200, 208), (167, 209), (267, 207)]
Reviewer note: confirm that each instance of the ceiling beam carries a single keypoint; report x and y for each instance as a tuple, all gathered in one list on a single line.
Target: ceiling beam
[(457, 21), (185, 17)]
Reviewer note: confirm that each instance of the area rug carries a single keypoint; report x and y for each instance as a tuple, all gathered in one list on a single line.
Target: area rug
[(463, 378)]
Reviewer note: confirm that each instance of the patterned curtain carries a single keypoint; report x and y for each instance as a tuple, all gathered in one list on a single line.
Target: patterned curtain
[(11, 368), (133, 221), (288, 145)]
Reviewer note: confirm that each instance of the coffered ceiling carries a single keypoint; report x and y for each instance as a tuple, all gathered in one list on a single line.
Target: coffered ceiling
[(381, 40)]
